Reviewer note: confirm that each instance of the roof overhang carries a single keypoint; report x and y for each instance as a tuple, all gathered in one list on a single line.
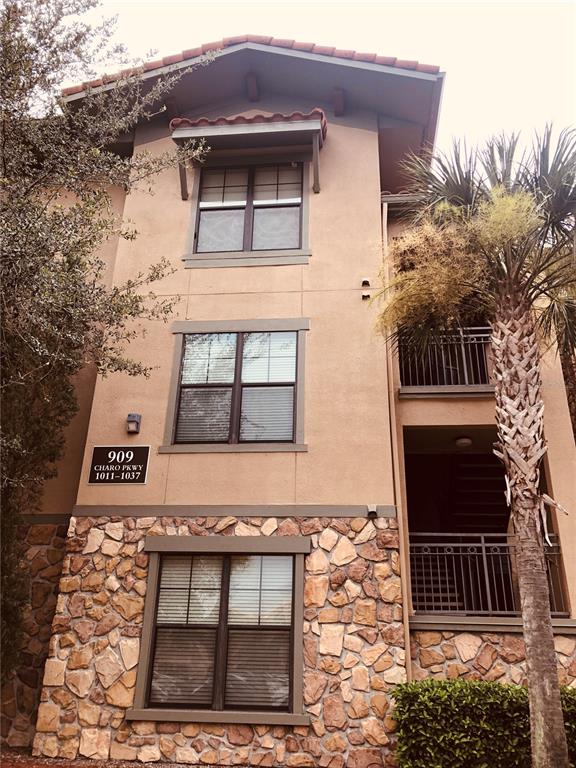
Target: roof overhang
[(294, 133), (405, 95), (153, 69), (257, 132)]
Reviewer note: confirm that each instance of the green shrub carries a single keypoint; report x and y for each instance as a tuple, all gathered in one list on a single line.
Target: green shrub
[(569, 707), (468, 724)]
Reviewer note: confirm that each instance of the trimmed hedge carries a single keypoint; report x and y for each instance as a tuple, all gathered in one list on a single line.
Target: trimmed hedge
[(469, 724)]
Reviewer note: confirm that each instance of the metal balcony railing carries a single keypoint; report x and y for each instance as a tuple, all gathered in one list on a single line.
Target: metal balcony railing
[(456, 359), (474, 574)]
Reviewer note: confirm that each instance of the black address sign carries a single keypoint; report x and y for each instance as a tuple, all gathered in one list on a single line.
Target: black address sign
[(120, 464)]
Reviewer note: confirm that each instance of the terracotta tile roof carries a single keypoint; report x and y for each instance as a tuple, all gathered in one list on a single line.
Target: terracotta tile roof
[(227, 42), (277, 117)]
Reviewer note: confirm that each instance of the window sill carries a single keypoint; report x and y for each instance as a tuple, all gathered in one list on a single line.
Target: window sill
[(234, 448), (210, 716), (246, 258)]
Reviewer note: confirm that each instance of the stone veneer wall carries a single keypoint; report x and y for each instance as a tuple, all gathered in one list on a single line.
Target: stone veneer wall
[(483, 656), (353, 648), (45, 549)]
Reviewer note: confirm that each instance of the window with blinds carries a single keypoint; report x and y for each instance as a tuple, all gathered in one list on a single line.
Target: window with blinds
[(223, 632), (255, 208), (237, 387)]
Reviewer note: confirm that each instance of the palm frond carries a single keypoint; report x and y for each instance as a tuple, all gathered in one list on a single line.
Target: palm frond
[(488, 224), (499, 162), (551, 177), (557, 321), (443, 180)]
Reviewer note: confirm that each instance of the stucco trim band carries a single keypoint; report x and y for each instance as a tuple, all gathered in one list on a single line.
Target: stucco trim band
[(236, 510), (260, 545), (508, 624), (235, 326), (234, 448)]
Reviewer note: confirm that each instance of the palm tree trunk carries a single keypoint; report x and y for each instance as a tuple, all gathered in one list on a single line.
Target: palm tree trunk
[(521, 446)]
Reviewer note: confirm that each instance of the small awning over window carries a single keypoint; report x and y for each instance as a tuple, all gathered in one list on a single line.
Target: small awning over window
[(301, 129)]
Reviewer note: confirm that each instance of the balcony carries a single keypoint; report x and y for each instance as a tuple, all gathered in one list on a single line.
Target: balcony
[(458, 363), (474, 574)]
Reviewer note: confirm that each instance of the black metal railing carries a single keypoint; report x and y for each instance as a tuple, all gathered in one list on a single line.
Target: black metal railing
[(459, 358), (474, 574)]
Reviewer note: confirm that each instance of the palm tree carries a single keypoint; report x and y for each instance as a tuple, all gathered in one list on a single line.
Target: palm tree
[(492, 236)]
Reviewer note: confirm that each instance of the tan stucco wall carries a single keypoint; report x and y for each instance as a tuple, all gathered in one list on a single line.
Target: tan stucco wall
[(560, 464), (60, 493), (346, 416), (346, 410)]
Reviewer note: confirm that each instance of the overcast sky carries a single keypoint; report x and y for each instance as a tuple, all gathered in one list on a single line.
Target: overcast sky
[(509, 65)]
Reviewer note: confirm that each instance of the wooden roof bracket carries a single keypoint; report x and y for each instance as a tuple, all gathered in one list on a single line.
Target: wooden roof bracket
[(252, 87), (338, 101), (316, 161), (183, 181)]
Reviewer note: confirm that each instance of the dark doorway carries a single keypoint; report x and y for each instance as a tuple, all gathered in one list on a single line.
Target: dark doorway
[(462, 554)]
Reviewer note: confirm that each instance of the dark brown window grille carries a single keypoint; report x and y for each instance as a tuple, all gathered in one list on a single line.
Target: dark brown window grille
[(237, 387), (223, 635), (255, 208), (475, 574)]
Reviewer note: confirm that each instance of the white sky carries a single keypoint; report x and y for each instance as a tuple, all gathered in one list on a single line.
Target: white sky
[(509, 65)]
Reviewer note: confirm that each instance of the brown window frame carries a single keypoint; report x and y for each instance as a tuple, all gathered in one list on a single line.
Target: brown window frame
[(237, 387), (182, 327), (221, 655), (298, 547), (248, 208)]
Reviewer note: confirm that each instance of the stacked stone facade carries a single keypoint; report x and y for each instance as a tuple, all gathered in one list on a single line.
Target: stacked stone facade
[(353, 648), (44, 551), (483, 656)]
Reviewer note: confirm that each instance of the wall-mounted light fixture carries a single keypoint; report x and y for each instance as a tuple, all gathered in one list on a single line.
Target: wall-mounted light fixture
[(365, 282), (463, 441), (133, 423), (365, 296)]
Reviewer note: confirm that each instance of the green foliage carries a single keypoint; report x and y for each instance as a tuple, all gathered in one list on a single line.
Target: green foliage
[(468, 724), (489, 226), (59, 164)]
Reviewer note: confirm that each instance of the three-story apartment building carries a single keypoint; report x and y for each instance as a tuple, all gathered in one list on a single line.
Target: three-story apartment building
[(287, 519)]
